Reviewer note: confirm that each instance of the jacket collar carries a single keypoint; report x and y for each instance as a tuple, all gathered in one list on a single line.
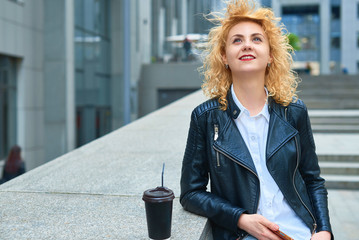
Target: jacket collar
[(231, 142), (264, 112), (233, 110)]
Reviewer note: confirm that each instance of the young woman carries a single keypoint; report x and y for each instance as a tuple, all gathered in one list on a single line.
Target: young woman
[(253, 138)]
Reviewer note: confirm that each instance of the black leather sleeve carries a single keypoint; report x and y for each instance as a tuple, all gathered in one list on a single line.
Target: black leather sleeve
[(194, 179), (310, 171)]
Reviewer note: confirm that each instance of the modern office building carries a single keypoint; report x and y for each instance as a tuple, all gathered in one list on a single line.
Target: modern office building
[(69, 69), (328, 31)]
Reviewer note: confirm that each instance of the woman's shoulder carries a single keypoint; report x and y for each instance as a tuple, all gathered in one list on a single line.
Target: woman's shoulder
[(209, 105), (298, 104), (298, 112)]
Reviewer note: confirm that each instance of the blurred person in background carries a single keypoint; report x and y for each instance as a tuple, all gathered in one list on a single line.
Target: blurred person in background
[(14, 165), (187, 46), (253, 140)]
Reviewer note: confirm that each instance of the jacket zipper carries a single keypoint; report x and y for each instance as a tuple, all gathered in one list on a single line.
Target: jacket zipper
[(215, 138), (219, 151), (295, 170), (229, 157)]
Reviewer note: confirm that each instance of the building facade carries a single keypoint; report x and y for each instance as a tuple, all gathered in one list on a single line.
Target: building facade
[(328, 31), (69, 69), (62, 72)]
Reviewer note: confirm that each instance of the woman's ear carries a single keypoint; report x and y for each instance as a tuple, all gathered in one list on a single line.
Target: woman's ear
[(224, 58), (270, 60)]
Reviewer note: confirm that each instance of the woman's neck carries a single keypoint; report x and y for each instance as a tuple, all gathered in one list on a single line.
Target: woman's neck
[(250, 92)]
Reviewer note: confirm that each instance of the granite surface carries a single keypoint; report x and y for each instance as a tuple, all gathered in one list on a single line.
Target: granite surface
[(95, 192)]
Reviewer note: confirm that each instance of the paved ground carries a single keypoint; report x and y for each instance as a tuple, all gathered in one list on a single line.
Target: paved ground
[(344, 207)]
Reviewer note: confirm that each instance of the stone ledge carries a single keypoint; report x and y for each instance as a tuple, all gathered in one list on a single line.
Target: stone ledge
[(85, 216), (95, 192)]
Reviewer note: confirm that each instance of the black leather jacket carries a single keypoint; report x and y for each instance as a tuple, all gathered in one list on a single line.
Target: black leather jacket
[(216, 150)]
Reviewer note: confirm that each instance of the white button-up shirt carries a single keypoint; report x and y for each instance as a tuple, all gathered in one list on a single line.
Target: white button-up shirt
[(272, 204)]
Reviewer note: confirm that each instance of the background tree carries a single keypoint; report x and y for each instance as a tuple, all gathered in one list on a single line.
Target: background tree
[(294, 41)]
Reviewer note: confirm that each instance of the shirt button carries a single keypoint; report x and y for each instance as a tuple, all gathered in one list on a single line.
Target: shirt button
[(253, 138)]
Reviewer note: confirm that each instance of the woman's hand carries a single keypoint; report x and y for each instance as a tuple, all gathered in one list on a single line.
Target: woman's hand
[(258, 226), (323, 235)]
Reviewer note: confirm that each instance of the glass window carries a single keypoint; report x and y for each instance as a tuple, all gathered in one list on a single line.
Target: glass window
[(79, 12), (357, 39), (8, 118), (103, 82), (92, 15), (304, 21), (335, 43), (301, 10), (89, 15), (21, 2), (103, 120), (358, 10), (93, 69), (103, 19), (267, 3), (103, 57), (308, 42), (79, 49), (335, 12)]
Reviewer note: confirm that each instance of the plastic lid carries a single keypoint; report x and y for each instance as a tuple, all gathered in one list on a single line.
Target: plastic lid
[(158, 194)]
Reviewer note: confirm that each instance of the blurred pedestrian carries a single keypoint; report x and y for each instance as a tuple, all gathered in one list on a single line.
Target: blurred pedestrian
[(253, 140), (308, 68), (187, 46), (14, 165)]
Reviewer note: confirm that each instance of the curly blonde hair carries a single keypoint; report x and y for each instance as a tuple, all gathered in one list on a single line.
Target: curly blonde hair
[(280, 80)]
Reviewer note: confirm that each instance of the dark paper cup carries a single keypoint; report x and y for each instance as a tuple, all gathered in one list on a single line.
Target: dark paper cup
[(158, 203)]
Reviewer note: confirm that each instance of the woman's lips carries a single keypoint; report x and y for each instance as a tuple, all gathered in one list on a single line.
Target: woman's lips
[(247, 58)]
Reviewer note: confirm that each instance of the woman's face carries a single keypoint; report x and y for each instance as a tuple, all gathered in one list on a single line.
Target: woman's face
[(247, 48)]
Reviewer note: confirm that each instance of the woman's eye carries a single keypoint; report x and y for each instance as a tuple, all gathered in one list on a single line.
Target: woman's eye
[(237, 40), (257, 39)]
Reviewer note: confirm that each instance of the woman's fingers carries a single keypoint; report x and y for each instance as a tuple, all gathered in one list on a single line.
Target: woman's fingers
[(258, 226)]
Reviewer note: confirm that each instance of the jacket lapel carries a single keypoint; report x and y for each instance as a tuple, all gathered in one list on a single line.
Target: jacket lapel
[(231, 143), (279, 132)]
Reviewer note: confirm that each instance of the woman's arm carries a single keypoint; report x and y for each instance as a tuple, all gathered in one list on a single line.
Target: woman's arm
[(310, 171), (194, 179)]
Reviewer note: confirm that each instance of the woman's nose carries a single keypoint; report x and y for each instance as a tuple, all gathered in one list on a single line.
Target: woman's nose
[(246, 46)]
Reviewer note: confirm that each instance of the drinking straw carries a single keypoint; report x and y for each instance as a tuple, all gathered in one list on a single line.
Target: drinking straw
[(163, 169)]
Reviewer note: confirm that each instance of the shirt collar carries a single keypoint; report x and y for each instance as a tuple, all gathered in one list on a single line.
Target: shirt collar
[(242, 109)]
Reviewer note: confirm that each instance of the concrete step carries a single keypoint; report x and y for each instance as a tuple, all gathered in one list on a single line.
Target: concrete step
[(335, 120), (329, 128), (338, 158), (340, 171), (341, 181), (315, 103), (339, 168), (347, 113)]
